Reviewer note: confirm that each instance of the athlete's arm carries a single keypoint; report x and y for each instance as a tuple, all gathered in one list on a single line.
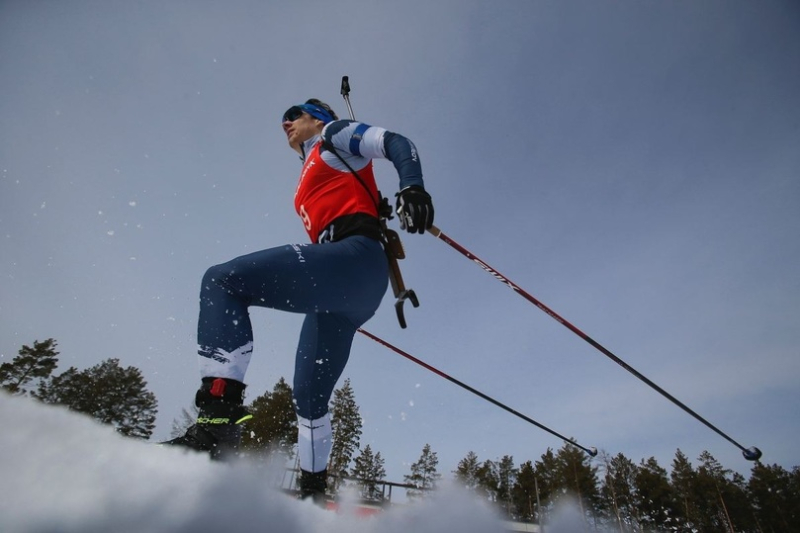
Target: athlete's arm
[(371, 142)]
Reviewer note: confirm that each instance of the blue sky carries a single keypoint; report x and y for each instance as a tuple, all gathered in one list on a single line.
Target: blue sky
[(634, 166)]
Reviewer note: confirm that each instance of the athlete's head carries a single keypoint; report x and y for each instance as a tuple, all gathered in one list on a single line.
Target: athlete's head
[(301, 122)]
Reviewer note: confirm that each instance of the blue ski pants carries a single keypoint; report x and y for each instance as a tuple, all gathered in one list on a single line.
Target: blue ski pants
[(338, 286)]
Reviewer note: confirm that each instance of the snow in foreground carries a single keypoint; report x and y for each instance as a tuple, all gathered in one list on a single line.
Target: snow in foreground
[(63, 472)]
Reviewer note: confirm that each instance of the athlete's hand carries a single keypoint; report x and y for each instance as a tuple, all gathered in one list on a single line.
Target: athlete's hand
[(415, 209)]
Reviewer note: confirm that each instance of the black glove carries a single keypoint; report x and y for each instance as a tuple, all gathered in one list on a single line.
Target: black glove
[(415, 209)]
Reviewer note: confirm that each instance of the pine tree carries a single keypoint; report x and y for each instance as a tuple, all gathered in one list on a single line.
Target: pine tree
[(710, 482), (107, 392), (619, 491), (369, 469), (793, 499), (424, 476), (741, 512), (715, 492), (273, 427), (346, 424), (506, 477), (577, 476), (776, 502), (495, 479), (524, 494), (682, 479), (550, 488), (488, 476), (31, 363), (467, 472), (656, 501)]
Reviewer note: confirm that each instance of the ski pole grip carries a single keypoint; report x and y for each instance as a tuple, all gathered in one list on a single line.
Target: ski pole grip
[(346, 95)]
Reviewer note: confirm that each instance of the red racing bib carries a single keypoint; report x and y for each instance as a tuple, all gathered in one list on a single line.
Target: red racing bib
[(324, 193)]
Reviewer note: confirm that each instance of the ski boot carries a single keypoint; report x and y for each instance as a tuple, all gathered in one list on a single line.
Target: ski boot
[(313, 485), (218, 429)]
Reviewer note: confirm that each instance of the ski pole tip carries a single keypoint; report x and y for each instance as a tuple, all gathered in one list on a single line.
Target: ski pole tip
[(752, 454), (345, 85), (592, 451)]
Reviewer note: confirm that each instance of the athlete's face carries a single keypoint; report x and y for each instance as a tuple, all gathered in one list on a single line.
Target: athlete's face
[(301, 129)]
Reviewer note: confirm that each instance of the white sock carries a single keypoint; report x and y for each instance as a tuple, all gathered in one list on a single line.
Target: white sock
[(217, 363), (314, 442)]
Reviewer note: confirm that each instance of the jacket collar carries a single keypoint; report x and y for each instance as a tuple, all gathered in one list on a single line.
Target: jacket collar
[(308, 145)]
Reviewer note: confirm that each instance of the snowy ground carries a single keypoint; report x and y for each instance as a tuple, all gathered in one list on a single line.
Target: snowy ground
[(63, 472)]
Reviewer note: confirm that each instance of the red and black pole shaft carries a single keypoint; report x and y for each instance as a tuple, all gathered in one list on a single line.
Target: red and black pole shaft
[(591, 451), (751, 454)]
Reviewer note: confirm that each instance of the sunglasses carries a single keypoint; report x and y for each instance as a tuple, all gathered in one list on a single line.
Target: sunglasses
[(293, 113), (296, 111)]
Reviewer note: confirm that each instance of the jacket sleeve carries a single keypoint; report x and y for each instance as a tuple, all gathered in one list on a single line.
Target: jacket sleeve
[(371, 142)]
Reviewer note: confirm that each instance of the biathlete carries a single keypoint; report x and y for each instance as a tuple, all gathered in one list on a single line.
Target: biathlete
[(337, 282)]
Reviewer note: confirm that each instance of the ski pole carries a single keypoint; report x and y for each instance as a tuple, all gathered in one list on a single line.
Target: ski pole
[(751, 454), (591, 451), (392, 245)]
